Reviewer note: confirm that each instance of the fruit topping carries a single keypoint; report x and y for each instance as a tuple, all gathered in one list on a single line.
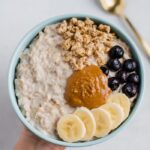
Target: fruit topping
[(116, 52), (113, 83), (122, 100), (70, 128), (134, 77), (116, 111), (130, 65), (114, 64), (103, 122), (89, 121), (84, 124), (122, 76), (105, 70), (130, 89)]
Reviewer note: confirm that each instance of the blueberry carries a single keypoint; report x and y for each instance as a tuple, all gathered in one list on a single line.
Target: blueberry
[(116, 52), (113, 83), (114, 64), (122, 76), (130, 89), (105, 70), (134, 77), (130, 65)]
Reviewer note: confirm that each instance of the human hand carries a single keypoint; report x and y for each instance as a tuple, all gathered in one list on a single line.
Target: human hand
[(28, 141)]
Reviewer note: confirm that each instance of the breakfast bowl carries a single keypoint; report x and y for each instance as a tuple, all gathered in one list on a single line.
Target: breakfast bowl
[(28, 39)]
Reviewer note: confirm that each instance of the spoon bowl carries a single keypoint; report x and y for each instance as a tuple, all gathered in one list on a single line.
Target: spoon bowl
[(113, 6)]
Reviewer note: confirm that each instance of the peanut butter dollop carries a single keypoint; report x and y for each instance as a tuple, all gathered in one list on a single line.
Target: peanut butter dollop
[(87, 87)]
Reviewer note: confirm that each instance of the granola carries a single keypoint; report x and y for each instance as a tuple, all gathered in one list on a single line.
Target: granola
[(82, 39)]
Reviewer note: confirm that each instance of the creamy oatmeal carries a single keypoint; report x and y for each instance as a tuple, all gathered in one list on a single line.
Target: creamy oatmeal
[(52, 57), (41, 79)]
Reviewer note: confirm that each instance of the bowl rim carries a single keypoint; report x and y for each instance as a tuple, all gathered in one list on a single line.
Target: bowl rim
[(28, 38)]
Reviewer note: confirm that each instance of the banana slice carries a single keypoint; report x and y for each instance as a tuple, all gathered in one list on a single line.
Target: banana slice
[(122, 100), (116, 112), (88, 119), (103, 122), (70, 128)]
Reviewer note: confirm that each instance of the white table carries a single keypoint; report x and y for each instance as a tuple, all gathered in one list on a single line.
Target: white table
[(19, 16)]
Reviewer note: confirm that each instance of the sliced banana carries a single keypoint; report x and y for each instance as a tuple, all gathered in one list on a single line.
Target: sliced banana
[(122, 100), (103, 122), (70, 128), (88, 119), (116, 112)]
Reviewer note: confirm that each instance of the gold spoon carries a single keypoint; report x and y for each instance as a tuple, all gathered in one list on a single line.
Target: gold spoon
[(117, 7)]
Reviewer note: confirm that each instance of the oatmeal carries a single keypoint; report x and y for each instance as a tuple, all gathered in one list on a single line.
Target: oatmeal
[(41, 79), (87, 58)]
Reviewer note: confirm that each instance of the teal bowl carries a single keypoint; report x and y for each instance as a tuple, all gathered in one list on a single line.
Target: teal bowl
[(26, 41)]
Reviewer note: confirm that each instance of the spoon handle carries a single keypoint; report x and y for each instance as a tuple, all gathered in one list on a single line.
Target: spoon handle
[(145, 45)]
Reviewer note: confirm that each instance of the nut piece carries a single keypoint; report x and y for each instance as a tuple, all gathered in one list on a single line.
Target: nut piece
[(82, 39)]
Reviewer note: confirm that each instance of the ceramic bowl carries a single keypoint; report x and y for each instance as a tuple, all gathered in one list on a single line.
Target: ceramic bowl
[(26, 41)]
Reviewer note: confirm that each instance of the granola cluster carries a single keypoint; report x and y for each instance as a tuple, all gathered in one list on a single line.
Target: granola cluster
[(84, 39)]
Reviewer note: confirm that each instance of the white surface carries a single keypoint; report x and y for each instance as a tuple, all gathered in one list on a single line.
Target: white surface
[(19, 16)]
